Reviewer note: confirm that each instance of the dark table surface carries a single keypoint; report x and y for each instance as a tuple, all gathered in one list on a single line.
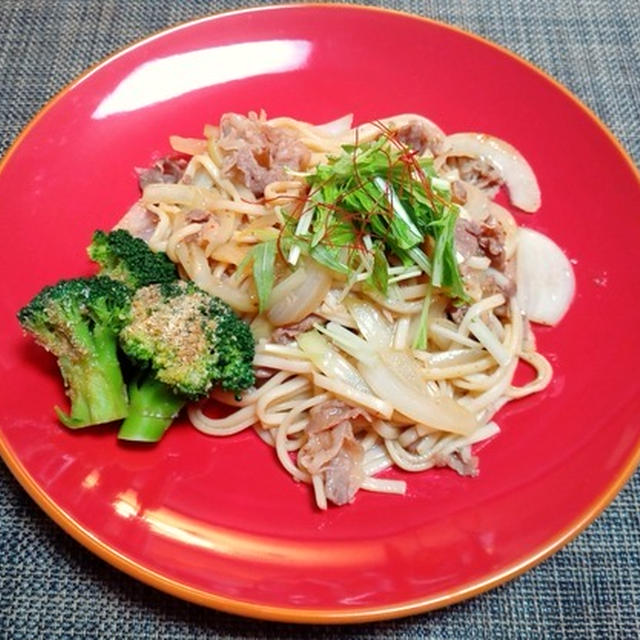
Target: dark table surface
[(51, 587)]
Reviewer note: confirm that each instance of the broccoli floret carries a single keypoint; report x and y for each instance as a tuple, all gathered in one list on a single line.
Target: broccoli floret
[(189, 341), (124, 257), (79, 321)]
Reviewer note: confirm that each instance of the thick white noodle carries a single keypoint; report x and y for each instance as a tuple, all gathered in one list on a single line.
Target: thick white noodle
[(236, 422)]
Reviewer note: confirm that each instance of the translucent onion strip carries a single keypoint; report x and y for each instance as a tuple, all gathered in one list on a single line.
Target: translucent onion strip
[(299, 295), (280, 350), (329, 361), (449, 358), (439, 412), (372, 325), (188, 146)]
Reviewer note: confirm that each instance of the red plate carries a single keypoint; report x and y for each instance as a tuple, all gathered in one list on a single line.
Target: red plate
[(217, 521)]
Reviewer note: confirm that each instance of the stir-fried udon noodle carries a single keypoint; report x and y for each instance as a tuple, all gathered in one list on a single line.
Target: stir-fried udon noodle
[(390, 296)]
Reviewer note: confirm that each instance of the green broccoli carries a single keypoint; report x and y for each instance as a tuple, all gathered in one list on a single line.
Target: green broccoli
[(79, 321), (188, 341), (124, 257)]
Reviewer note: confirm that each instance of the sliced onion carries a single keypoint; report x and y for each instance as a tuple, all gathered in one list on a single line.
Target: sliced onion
[(261, 328), (337, 127), (516, 172), (230, 252), (188, 146), (349, 342), (211, 131), (201, 179), (288, 285), (318, 349), (405, 367), (394, 381), (299, 294), (238, 299), (394, 304), (545, 278), (371, 323), (395, 123)]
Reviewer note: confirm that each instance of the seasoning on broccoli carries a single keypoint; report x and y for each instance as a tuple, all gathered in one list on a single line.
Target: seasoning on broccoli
[(184, 341), (124, 257), (79, 320)]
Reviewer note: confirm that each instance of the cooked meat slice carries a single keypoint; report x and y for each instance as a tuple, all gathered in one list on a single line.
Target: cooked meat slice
[(477, 239), (462, 462), (466, 234), (168, 170), (344, 474), (138, 221), (258, 152), (197, 215), (289, 332), (458, 192), (332, 451), (322, 446), (330, 413), (491, 241), (419, 137), (477, 171), (457, 313)]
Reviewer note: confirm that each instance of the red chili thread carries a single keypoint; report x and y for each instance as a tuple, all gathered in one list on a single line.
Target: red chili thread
[(405, 162)]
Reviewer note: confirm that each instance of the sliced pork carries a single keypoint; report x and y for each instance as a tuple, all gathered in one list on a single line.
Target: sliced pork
[(478, 172), (332, 450), (288, 333), (258, 153), (462, 462), (168, 170), (419, 136), (481, 239), (138, 221)]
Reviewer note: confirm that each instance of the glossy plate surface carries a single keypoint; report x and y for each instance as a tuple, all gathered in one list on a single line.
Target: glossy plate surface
[(216, 520)]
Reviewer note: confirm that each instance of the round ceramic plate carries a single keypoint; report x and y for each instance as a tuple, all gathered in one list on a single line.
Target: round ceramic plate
[(217, 521)]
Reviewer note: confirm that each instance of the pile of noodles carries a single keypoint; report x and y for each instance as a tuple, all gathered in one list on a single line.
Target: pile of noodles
[(424, 408)]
